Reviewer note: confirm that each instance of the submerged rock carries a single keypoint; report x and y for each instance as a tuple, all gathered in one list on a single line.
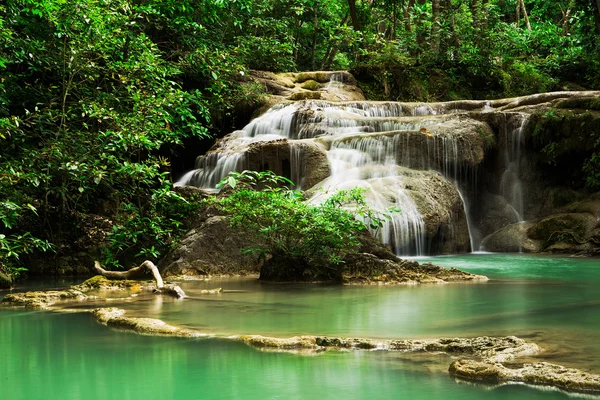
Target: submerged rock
[(48, 298), (541, 373), (365, 268), (42, 300), (114, 318)]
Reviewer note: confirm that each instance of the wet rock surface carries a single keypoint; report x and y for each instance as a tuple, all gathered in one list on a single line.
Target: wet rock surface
[(542, 373), (114, 318), (308, 85), (5, 281), (212, 248), (81, 293), (573, 228)]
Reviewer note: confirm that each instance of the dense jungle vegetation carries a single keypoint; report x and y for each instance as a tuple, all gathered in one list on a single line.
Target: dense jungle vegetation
[(98, 96)]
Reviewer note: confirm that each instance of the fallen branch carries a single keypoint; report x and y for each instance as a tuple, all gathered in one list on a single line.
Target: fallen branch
[(171, 289)]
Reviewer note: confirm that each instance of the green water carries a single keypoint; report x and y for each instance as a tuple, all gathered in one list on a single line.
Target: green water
[(553, 301)]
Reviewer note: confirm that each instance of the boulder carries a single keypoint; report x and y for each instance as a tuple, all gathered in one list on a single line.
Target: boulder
[(326, 85), (541, 373), (513, 239), (304, 162), (560, 227), (212, 248), (497, 214), (5, 280)]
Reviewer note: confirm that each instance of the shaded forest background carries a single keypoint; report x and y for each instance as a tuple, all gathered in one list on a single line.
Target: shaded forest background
[(98, 97)]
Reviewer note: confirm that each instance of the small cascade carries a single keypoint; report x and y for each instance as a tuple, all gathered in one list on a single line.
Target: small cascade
[(404, 231), (335, 85), (211, 169), (473, 231), (511, 186)]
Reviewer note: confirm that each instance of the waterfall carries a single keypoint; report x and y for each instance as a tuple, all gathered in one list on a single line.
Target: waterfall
[(366, 144), (472, 229), (511, 186)]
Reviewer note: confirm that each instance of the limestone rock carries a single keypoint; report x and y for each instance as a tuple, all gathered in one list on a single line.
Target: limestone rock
[(578, 225), (477, 371), (326, 85), (541, 373), (212, 248), (5, 281), (576, 230), (513, 239), (304, 162), (114, 318)]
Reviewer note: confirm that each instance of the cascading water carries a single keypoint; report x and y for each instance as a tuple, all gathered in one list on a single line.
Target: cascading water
[(367, 144), (511, 186)]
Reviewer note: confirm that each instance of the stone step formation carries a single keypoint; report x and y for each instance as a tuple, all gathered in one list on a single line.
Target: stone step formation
[(423, 159)]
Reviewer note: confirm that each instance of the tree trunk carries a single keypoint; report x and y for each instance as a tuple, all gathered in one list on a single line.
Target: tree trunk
[(435, 26), (486, 14), (353, 15), (564, 22), (333, 48), (139, 272), (420, 36), (315, 32), (394, 18), (598, 18), (525, 14), (407, 15), (475, 14)]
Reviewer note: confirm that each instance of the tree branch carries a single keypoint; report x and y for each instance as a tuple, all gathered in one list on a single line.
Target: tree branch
[(138, 272)]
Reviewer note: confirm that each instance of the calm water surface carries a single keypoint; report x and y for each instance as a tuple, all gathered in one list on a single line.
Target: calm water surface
[(553, 301)]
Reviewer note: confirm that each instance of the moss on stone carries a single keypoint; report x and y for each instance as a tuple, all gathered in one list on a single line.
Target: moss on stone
[(311, 85), (582, 103), (318, 76), (307, 95), (100, 281), (5, 280), (97, 281), (562, 228)]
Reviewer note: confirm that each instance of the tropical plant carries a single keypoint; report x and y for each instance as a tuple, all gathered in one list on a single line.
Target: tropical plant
[(300, 240)]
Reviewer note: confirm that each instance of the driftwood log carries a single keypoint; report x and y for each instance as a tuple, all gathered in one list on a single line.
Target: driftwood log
[(137, 272)]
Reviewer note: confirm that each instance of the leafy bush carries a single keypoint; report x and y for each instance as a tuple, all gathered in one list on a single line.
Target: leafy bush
[(13, 246), (301, 241), (149, 230)]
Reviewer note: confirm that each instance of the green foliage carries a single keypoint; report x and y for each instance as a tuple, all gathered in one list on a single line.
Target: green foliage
[(149, 230), (90, 103), (307, 241), (13, 246)]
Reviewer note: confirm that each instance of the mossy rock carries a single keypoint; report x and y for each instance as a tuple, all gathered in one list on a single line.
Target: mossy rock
[(476, 371), (318, 76), (5, 281), (561, 196), (581, 103), (100, 281), (563, 227), (311, 85), (305, 96), (591, 206)]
